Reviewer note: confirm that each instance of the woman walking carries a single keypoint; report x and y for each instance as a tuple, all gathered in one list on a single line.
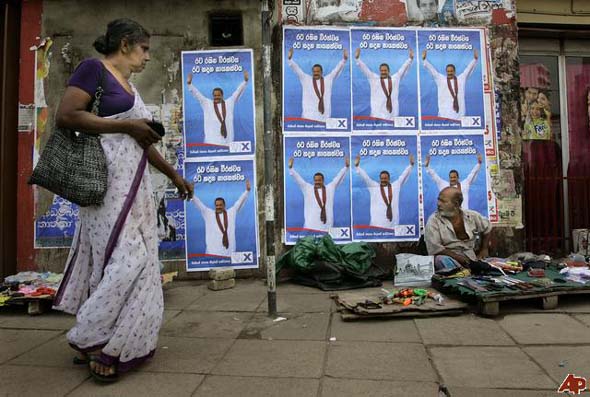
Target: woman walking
[(112, 277)]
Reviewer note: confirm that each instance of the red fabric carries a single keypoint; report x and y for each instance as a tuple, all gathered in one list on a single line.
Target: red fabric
[(391, 11)]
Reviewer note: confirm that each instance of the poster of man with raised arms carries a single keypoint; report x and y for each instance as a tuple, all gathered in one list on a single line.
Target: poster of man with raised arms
[(451, 83), (221, 219), (317, 188), (384, 79), (458, 161), (316, 80), (218, 98), (384, 188)]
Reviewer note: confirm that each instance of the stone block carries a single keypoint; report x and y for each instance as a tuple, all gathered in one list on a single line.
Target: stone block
[(222, 273), (218, 285)]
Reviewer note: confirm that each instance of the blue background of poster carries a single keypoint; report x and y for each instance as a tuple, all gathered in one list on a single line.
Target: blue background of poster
[(395, 58), (463, 164), (56, 228), (171, 250), (395, 165), (341, 96), (246, 219), (460, 58), (244, 129), (307, 168)]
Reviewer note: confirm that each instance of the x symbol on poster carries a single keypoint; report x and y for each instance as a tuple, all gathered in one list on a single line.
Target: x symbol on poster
[(342, 123), (343, 232), (410, 229), (409, 122), (245, 146), (248, 257), (476, 121)]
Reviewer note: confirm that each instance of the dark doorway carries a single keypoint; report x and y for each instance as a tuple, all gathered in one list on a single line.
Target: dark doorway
[(9, 67)]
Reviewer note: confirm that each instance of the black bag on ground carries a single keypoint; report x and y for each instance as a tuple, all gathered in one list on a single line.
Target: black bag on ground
[(73, 165)]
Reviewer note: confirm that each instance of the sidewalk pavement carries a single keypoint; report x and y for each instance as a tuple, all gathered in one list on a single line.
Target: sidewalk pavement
[(223, 344)]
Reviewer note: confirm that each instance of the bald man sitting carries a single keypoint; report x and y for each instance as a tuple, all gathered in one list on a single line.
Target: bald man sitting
[(451, 233)]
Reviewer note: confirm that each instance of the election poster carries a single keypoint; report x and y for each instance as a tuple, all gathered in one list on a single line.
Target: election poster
[(221, 219), (384, 79), (316, 80), (451, 79), (56, 228), (218, 99), (317, 188), (171, 226), (454, 160), (384, 188)]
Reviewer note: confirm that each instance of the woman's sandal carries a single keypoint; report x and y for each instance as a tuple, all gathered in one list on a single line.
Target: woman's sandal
[(99, 377)]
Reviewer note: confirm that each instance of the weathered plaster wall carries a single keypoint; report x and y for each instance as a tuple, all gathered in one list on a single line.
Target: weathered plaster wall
[(175, 26)]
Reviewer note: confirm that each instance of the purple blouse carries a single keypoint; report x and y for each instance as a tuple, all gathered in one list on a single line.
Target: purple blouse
[(115, 99)]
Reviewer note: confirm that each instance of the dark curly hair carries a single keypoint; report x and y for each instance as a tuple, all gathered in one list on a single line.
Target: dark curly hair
[(118, 30)]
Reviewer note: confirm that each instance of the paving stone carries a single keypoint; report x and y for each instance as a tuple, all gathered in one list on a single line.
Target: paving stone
[(575, 360), (234, 300), (300, 303), (470, 392), (54, 353), (585, 318), (488, 367), (292, 288), (224, 386), (139, 384), (206, 324), (386, 330), (462, 330), (297, 326), (354, 388), (178, 297), (51, 320), (16, 342), (276, 358), (550, 328), (42, 381), (379, 361), (187, 355), (169, 315)]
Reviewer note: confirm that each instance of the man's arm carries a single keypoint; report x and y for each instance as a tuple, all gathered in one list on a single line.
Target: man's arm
[(473, 174), (469, 69), (484, 227), (406, 66), (435, 245), (238, 92), (403, 178), (242, 199), (365, 177), (294, 67), (440, 183), (298, 179), (199, 204), (340, 175), (435, 74), (483, 249), (197, 94), (363, 67), (338, 69)]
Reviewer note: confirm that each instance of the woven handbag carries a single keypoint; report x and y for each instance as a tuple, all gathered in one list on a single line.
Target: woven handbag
[(73, 164)]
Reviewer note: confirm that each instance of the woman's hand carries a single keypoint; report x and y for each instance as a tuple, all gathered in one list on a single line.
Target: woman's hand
[(139, 130), (185, 188)]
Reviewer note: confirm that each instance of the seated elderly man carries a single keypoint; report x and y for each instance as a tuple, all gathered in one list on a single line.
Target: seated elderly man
[(451, 233)]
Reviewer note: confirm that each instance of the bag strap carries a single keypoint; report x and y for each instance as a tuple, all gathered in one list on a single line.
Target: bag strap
[(99, 90)]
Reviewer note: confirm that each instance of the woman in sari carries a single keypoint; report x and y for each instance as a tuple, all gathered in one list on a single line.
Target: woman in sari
[(112, 277)]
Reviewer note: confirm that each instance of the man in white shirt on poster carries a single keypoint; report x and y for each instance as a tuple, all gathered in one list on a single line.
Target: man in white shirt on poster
[(384, 86), (218, 113), (316, 95), (451, 87), (220, 223), (463, 186), (318, 199), (384, 194)]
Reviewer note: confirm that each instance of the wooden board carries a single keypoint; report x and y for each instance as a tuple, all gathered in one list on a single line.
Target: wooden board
[(348, 302)]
